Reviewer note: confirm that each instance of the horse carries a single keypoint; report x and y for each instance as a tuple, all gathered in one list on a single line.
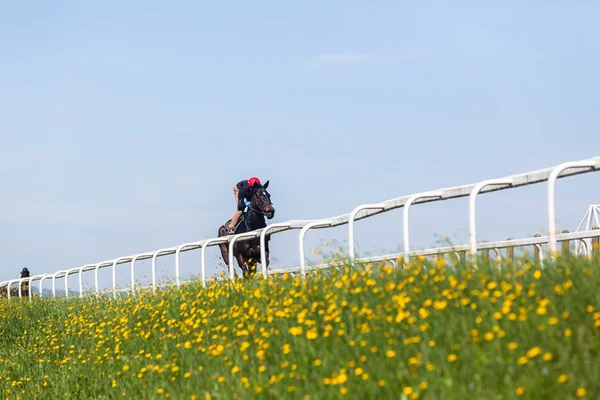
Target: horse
[(247, 252), (24, 289), (14, 291), (25, 284)]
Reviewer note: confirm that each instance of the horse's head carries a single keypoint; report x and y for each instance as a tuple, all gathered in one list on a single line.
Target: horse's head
[(261, 200)]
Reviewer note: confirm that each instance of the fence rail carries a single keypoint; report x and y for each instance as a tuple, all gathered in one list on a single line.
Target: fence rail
[(473, 190)]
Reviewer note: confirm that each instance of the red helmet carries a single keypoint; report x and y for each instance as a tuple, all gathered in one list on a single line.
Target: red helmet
[(253, 180)]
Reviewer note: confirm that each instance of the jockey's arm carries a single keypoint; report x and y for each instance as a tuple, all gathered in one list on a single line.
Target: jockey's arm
[(241, 205)]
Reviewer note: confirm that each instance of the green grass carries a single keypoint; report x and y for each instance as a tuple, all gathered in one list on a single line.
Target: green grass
[(368, 332)]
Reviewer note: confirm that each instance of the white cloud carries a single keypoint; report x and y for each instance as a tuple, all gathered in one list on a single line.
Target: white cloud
[(353, 58)]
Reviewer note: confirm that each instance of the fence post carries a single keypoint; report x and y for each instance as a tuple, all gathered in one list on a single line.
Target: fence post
[(536, 251), (463, 257), (486, 256), (510, 253), (596, 244), (566, 245)]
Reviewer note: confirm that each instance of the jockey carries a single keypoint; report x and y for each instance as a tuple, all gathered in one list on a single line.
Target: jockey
[(25, 284), (243, 194)]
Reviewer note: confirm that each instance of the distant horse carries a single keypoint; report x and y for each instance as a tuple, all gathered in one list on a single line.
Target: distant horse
[(14, 291), (25, 284), (247, 252), (24, 289)]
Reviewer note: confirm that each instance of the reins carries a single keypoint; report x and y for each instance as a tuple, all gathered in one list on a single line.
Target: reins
[(256, 210)]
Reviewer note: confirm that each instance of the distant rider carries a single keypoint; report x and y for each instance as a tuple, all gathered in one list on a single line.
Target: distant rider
[(25, 284), (24, 273)]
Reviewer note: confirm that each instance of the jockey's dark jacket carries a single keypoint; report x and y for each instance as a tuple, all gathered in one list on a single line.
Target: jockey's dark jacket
[(245, 193)]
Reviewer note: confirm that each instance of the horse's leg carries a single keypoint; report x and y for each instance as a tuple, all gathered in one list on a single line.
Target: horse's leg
[(241, 263), (251, 257), (259, 255), (238, 254), (268, 262), (257, 258), (224, 247), (252, 262), (224, 254)]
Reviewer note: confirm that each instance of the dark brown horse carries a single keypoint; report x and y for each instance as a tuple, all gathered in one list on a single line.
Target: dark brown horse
[(14, 291), (247, 252)]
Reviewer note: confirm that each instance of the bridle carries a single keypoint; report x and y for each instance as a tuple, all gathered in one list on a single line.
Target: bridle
[(269, 203)]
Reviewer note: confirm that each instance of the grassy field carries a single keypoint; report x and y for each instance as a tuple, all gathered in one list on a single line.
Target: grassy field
[(431, 331)]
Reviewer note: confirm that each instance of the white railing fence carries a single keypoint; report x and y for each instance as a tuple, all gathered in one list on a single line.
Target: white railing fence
[(549, 175)]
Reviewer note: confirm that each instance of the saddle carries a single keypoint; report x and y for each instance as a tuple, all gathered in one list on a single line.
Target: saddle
[(241, 221)]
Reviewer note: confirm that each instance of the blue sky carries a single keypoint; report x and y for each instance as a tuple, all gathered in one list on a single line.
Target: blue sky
[(125, 125)]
